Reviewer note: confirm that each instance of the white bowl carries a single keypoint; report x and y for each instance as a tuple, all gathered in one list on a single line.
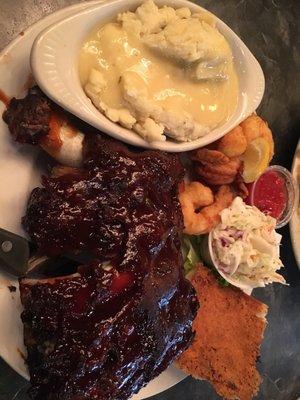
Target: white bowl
[(246, 288), (243, 285), (54, 63)]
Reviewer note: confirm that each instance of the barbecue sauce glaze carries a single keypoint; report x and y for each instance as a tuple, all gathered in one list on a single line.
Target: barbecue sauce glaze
[(108, 330)]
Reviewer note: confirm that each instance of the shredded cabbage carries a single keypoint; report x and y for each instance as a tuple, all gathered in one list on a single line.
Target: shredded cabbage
[(246, 245)]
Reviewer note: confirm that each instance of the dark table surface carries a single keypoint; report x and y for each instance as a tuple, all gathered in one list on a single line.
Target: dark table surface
[(270, 28)]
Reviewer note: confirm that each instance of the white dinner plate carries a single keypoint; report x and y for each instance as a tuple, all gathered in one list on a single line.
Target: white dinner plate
[(295, 221), (20, 171)]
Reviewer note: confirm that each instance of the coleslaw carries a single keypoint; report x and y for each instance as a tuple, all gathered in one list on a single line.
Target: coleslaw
[(246, 245)]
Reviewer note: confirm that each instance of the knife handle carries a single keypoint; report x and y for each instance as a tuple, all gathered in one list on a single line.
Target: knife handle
[(14, 253)]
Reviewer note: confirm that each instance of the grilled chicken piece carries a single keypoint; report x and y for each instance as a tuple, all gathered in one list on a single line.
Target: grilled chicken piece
[(105, 333), (28, 119), (36, 120)]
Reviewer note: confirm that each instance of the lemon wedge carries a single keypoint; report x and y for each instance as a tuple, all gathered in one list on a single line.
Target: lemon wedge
[(256, 159)]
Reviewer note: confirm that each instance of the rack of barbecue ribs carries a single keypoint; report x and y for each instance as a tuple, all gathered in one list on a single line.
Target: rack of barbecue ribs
[(116, 323)]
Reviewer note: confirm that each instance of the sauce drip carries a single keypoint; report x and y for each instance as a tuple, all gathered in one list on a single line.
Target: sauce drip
[(53, 140), (4, 98)]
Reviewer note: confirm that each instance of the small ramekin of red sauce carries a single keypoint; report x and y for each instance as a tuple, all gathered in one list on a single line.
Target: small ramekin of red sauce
[(275, 193)]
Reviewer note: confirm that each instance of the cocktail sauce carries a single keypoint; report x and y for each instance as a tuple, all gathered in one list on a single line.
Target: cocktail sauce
[(269, 194)]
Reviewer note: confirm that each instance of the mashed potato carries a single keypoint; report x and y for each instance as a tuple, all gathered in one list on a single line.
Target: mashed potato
[(160, 71)]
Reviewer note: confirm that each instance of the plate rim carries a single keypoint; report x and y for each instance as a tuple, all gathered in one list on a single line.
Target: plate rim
[(295, 220)]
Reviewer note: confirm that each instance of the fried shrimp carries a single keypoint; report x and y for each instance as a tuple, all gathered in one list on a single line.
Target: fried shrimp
[(197, 196), (234, 143), (208, 156), (218, 173), (194, 196), (214, 167), (224, 162), (223, 199), (254, 127)]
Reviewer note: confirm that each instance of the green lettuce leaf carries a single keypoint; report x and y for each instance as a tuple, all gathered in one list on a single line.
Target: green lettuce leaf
[(190, 252)]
